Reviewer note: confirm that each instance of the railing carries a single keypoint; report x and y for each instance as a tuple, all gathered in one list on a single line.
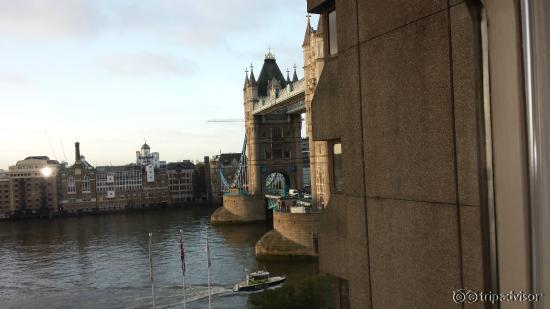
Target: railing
[(291, 205), (290, 91), (296, 209)]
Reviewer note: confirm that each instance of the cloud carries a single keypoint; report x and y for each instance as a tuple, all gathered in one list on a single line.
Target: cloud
[(197, 23), (145, 64), (48, 19)]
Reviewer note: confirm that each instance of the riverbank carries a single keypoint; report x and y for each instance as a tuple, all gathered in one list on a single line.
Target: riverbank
[(47, 213)]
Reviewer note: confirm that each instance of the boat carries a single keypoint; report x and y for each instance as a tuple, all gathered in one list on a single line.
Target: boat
[(258, 280)]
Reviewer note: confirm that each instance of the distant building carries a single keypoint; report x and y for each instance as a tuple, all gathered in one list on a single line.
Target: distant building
[(146, 157), (180, 181), (228, 163), (201, 181), (130, 186), (5, 197), (34, 186), (155, 191), (78, 186)]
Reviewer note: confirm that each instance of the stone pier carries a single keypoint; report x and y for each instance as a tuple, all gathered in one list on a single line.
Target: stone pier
[(238, 209), (294, 236)]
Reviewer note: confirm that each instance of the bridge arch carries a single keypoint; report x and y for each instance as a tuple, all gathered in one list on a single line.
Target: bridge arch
[(277, 183)]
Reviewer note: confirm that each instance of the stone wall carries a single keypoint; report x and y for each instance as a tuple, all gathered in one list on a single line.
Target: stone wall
[(293, 236), (240, 209), (402, 96)]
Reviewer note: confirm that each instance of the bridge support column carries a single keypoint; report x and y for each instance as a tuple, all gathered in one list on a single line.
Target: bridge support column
[(238, 209), (294, 236)]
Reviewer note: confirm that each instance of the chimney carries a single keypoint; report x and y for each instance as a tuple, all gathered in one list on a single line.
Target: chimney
[(77, 152)]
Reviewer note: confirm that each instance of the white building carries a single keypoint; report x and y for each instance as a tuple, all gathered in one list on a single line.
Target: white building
[(146, 157)]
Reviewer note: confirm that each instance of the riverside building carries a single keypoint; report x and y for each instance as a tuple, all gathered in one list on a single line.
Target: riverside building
[(181, 178), (5, 197), (131, 186), (145, 157), (78, 185), (34, 186)]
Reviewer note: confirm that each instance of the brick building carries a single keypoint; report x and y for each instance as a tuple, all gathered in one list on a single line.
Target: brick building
[(78, 186), (130, 186), (34, 186), (5, 197), (181, 177)]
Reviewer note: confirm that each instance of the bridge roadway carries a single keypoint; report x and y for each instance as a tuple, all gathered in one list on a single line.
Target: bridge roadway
[(291, 99)]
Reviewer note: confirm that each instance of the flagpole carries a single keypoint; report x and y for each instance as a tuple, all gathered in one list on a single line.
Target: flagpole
[(208, 261), (151, 271), (182, 267)]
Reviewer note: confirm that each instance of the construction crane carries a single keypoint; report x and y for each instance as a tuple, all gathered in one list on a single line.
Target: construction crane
[(225, 120)]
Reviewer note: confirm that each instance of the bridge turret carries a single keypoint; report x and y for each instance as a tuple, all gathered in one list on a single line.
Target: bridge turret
[(246, 80), (314, 61), (288, 76)]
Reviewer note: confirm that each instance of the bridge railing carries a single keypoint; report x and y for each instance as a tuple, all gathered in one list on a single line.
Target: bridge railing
[(291, 205), (290, 91)]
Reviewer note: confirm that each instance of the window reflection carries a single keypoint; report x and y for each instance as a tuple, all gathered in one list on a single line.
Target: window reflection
[(337, 167), (332, 36)]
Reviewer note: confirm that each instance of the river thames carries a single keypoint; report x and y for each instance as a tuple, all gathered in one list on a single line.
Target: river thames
[(102, 261)]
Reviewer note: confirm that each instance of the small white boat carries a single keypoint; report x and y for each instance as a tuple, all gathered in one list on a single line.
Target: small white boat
[(258, 280)]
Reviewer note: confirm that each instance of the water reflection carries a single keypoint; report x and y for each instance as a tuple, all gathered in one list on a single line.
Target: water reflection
[(101, 261)]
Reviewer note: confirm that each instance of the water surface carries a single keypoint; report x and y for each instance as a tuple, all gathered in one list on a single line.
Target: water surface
[(102, 261)]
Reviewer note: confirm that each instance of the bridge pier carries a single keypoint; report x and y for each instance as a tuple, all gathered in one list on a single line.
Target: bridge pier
[(294, 236), (239, 209)]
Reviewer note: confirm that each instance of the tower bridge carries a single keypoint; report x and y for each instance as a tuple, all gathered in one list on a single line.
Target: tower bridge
[(271, 159), (291, 100)]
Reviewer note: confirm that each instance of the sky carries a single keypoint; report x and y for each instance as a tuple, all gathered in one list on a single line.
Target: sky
[(112, 73)]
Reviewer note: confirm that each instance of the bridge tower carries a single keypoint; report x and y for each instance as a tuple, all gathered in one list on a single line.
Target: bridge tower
[(273, 139), (313, 50)]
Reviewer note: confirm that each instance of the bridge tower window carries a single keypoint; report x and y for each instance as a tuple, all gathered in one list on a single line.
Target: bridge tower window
[(286, 154), (332, 34), (337, 167), (276, 132), (277, 152)]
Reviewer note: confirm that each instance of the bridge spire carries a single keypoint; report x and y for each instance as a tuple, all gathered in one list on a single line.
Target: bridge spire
[(246, 81), (269, 55), (295, 76), (309, 31), (252, 78), (288, 76)]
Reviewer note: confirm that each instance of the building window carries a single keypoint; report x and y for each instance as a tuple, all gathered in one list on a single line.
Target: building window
[(71, 187), (332, 35), (343, 288), (276, 133), (277, 152), (85, 184), (337, 167), (287, 154)]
